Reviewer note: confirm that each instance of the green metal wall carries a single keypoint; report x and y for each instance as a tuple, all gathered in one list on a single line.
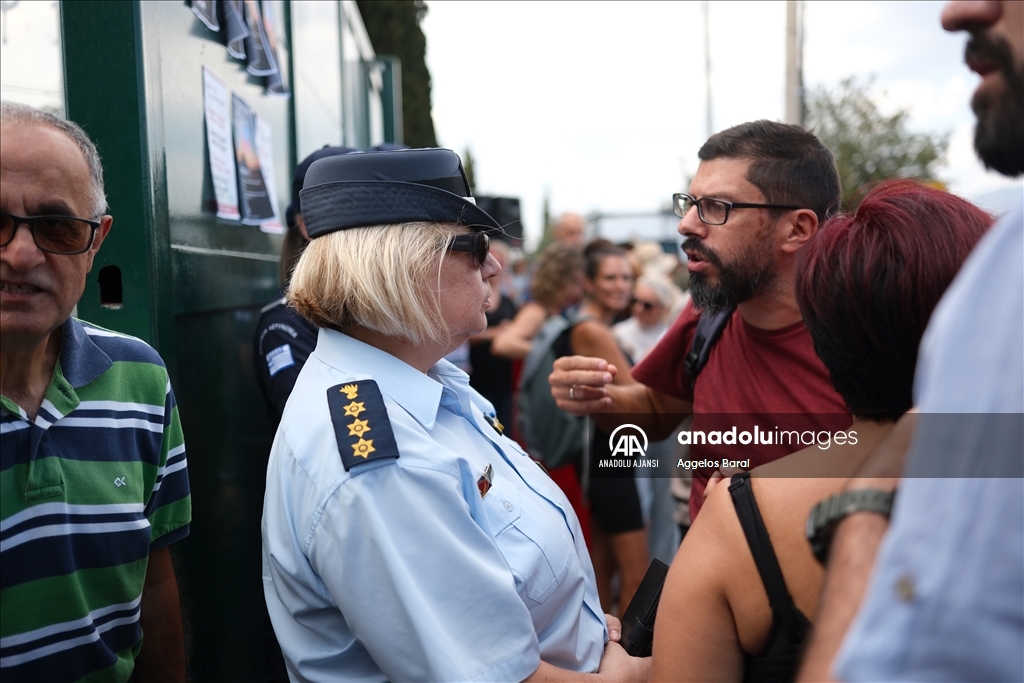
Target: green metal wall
[(192, 286)]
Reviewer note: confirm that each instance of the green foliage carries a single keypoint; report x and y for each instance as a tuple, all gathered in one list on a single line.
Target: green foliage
[(394, 29), (546, 238), (868, 145)]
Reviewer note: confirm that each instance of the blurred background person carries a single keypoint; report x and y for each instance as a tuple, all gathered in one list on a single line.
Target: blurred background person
[(618, 536), (570, 230), (557, 285), (284, 339), (492, 375), (655, 298), (739, 597)]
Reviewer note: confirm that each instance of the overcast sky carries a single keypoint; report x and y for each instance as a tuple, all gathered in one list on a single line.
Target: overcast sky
[(600, 105)]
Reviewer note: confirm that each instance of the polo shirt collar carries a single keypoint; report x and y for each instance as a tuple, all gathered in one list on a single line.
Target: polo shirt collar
[(417, 393), (81, 360)]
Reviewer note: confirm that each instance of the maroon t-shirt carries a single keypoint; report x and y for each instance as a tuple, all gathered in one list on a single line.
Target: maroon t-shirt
[(771, 379)]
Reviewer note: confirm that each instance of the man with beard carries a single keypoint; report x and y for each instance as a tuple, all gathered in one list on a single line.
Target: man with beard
[(946, 599), (759, 194)]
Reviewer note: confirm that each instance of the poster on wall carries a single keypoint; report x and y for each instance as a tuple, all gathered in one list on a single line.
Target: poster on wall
[(218, 141), (206, 10), (234, 29), (259, 61), (275, 85), (254, 201), (265, 154)]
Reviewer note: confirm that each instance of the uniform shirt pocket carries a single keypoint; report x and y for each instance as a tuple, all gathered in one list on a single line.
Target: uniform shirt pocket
[(538, 555)]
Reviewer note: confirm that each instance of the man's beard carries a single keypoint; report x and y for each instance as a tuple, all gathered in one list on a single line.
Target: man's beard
[(750, 274), (999, 135)]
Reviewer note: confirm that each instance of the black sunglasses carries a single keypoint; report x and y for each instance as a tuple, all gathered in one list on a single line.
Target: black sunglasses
[(646, 305), (65, 235), (475, 243)]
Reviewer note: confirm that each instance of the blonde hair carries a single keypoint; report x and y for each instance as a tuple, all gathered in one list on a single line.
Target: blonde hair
[(376, 277)]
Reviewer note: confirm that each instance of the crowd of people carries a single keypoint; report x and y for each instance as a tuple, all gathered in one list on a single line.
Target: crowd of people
[(423, 523)]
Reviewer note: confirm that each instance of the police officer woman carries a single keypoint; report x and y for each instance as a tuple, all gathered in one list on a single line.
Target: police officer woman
[(404, 537)]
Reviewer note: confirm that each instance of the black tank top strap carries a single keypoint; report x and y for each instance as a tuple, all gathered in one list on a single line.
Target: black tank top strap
[(783, 608)]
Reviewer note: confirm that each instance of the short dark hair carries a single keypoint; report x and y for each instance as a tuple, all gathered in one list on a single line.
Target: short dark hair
[(789, 166), (596, 251), (867, 282)]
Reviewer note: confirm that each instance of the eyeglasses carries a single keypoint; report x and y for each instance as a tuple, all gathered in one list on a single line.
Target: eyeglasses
[(715, 211), (475, 243), (65, 235)]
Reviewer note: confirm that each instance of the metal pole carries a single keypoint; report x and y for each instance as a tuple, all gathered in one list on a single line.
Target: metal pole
[(707, 69), (794, 62)]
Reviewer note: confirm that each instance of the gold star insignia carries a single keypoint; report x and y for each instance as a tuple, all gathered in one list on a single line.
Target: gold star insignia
[(353, 409), (496, 423), (350, 390), (363, 448), (358, 428)]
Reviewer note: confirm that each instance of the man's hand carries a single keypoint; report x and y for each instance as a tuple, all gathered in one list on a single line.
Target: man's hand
[(617, 665), (578, 384)]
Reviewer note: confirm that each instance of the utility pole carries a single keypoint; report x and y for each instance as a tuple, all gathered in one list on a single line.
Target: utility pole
[(794, 62), (707, 69)]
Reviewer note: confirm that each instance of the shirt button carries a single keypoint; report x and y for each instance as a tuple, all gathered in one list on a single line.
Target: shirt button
[(905, 588), (508, 505)]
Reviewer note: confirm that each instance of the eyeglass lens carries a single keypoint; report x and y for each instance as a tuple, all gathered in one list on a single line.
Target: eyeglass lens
[(711, 211), (55, 234)]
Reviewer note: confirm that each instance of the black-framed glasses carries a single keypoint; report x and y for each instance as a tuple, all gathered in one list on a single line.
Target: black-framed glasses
[(715, 211), (65, 235), (475, 243)]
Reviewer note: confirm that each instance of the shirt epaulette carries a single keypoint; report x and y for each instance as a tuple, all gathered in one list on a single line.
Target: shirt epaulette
[(361, 423)]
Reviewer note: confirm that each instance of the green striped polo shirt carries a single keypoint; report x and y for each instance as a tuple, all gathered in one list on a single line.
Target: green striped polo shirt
[(87, 489)]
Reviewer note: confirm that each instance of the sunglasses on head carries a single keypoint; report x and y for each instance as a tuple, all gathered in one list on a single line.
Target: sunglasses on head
[(474, 243)]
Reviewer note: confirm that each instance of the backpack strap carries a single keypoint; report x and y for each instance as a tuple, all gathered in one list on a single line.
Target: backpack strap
[(709, 330), (761, 548)]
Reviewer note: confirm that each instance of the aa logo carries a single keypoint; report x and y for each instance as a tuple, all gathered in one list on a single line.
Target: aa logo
[(628, 440)]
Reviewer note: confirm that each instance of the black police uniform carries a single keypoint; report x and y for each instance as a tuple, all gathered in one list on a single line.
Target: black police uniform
[(283, 342)]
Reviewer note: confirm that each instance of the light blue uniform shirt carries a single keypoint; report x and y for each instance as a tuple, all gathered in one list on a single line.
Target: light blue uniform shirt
[(946, 600), (399, 569)]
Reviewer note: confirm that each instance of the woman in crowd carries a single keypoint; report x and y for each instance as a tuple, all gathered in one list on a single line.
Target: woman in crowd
[(404, 537), (744, 586), (557, 284), (618, 537), (653, 300)]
